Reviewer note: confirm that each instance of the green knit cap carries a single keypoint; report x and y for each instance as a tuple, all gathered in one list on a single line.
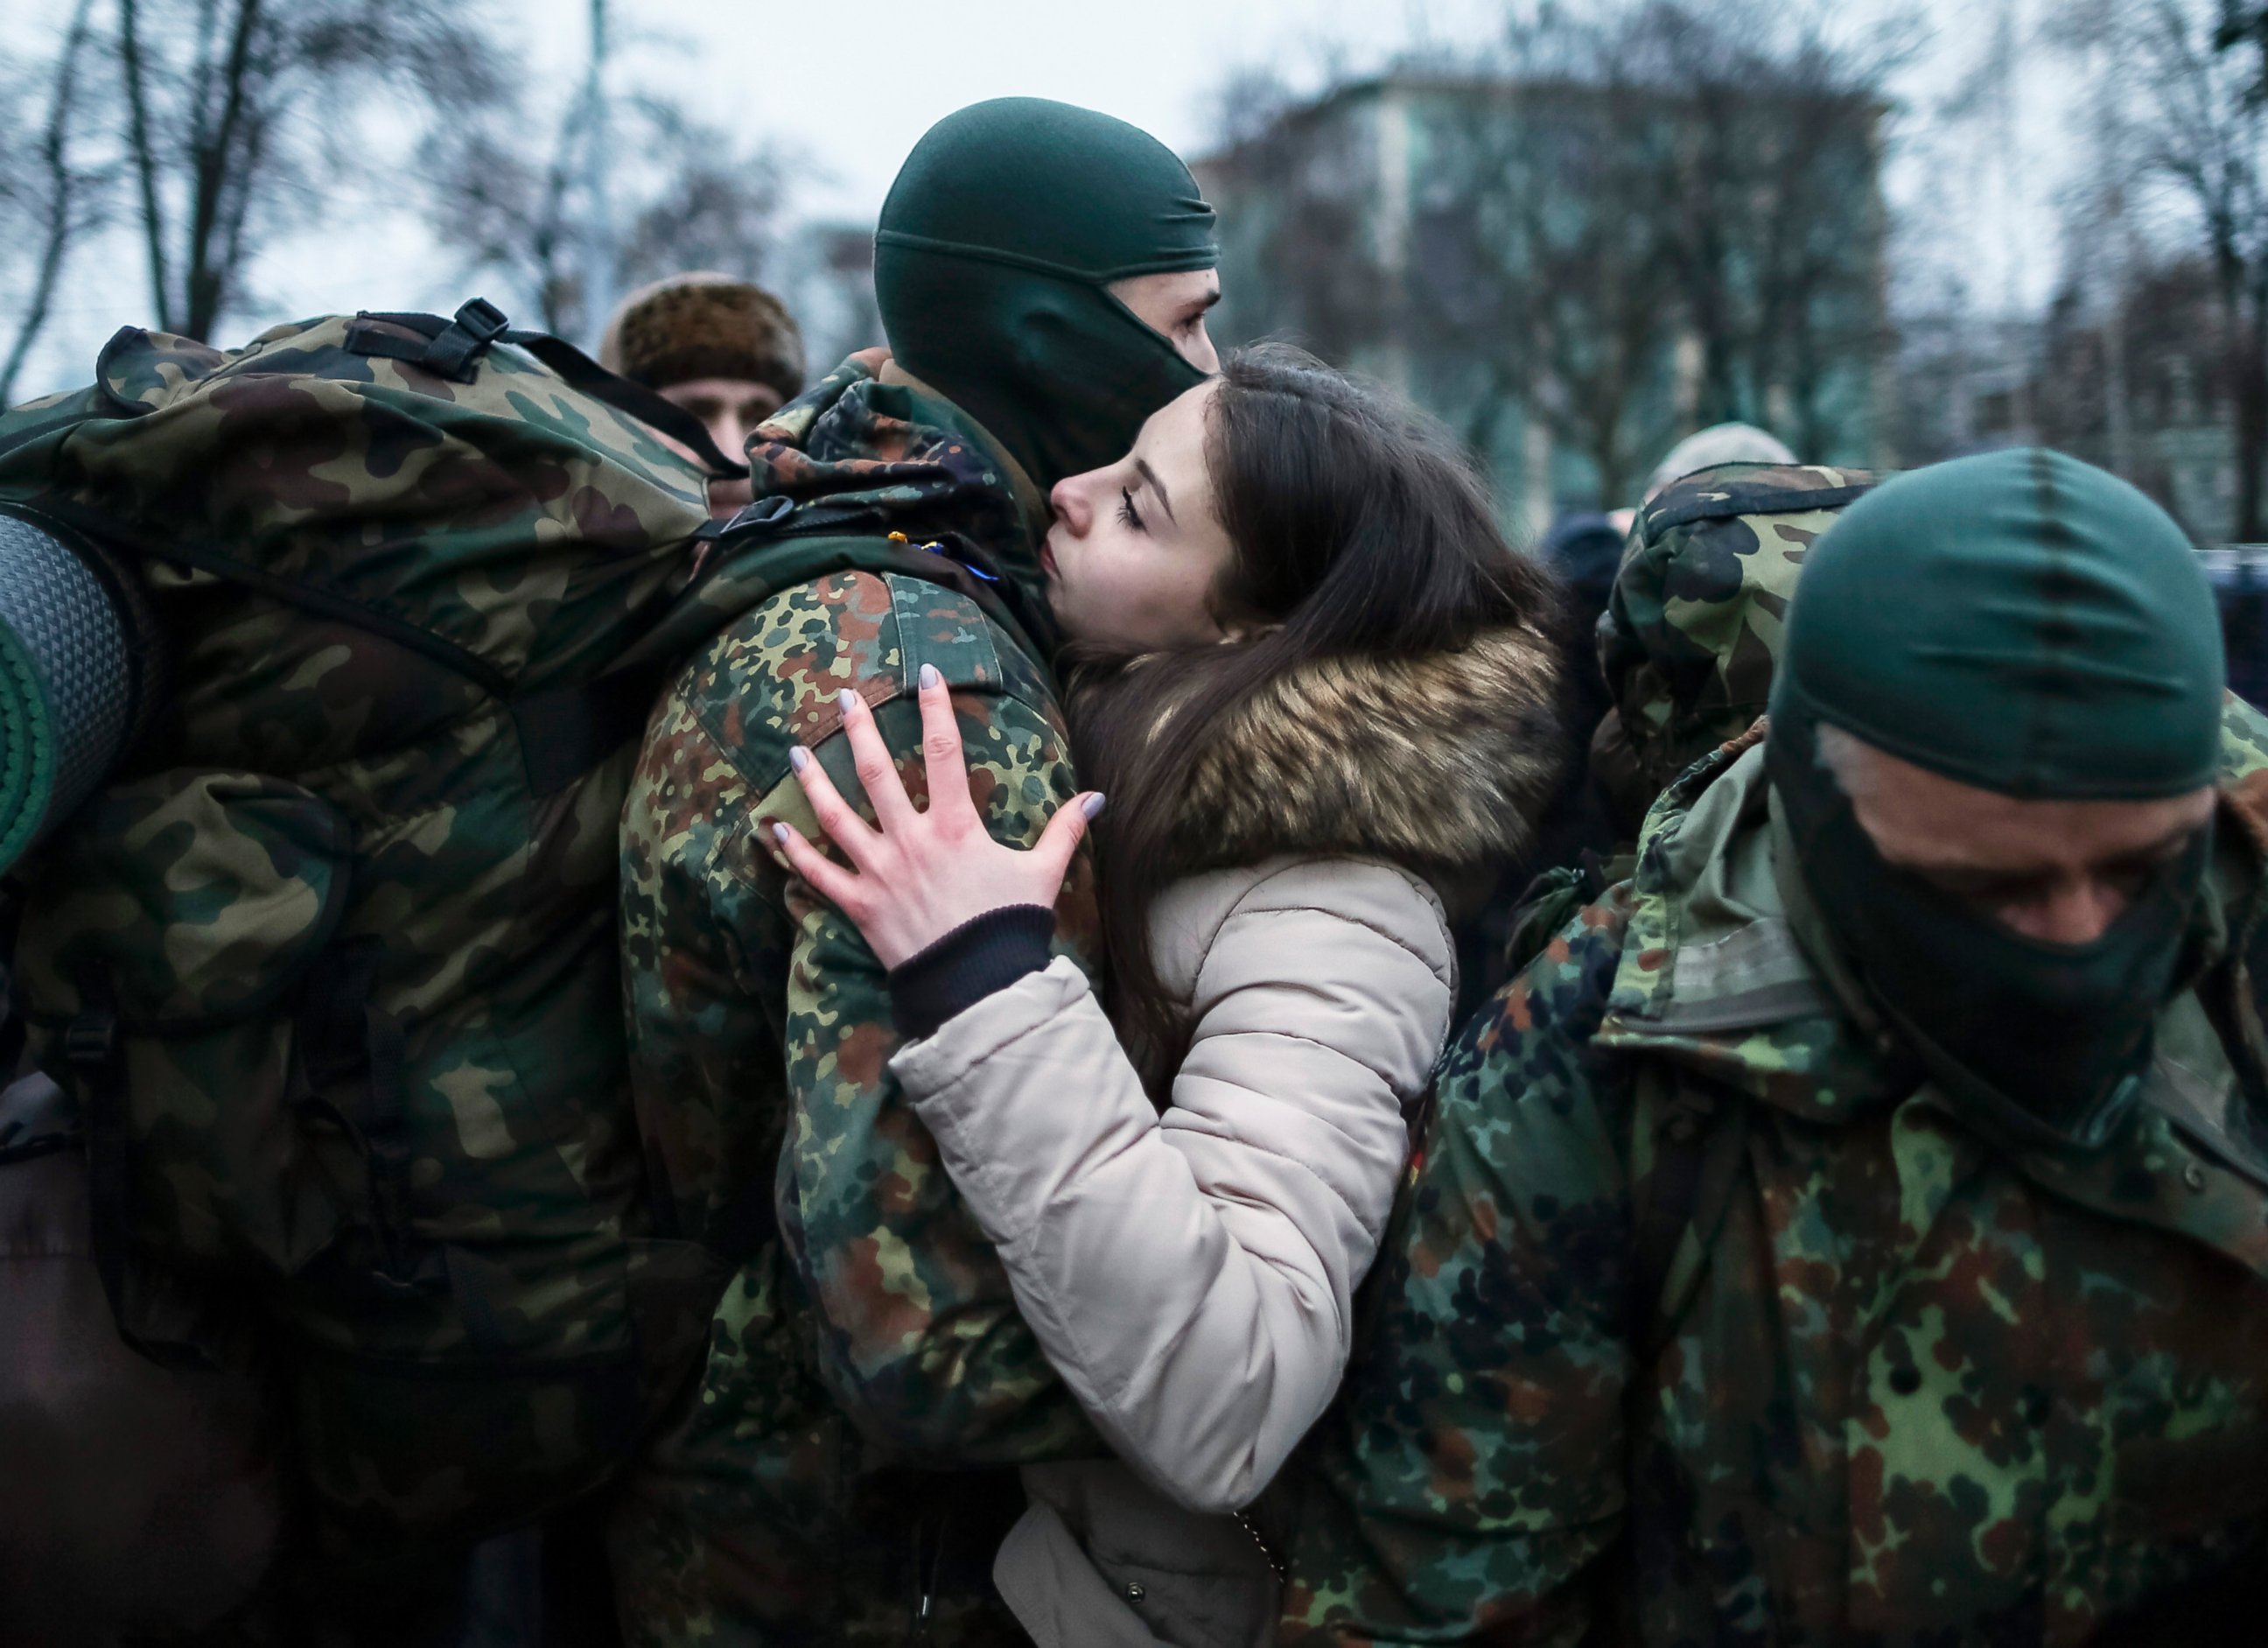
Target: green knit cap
[(1003, 227), (2019, 621)]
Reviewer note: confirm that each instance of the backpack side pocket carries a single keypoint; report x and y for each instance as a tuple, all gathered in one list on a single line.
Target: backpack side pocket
[(164, 950)]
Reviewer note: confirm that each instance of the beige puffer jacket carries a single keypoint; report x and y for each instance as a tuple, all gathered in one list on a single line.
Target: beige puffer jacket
[(1191, 1274)]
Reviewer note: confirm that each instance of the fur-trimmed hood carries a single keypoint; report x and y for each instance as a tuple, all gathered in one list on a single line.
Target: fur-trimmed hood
[(1443, 762)]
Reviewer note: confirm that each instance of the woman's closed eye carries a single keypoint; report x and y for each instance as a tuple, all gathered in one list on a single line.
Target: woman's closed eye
[(1127, 513)]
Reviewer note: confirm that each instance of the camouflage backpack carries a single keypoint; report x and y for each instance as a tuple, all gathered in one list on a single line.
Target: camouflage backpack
[(328, 966), (1694, 623)]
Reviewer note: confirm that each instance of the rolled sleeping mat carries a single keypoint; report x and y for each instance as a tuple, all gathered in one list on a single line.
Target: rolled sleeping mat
[(72, 648)]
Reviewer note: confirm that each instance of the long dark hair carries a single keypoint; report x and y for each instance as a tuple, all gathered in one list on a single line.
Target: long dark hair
[(1357, 529)]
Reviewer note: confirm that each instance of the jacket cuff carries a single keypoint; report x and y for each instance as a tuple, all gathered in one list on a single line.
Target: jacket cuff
[(975, 960)]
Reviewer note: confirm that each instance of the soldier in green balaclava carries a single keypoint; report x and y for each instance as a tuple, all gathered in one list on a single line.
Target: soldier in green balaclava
[(1994, 733), (1049, 269), (1043, 274), (1854, 1226)]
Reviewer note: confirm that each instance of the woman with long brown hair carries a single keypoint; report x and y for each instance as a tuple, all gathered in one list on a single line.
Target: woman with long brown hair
[(1317, 687)]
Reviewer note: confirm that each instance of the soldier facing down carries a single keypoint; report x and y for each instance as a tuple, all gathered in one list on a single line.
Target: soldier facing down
[(1043, 274), (1854, 1228)]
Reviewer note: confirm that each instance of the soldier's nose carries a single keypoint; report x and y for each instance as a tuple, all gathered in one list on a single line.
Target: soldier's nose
[(2077, 911)]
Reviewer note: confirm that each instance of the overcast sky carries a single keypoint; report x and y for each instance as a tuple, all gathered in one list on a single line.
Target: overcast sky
[(852, 87)]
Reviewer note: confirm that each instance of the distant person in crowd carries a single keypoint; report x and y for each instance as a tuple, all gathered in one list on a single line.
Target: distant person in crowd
[(1303, 579), (1705, 449), (1584, 549), (1719, 443), (1855, 1227), (2243, 599), (725, 350), (1713, 445), (1043, 274)]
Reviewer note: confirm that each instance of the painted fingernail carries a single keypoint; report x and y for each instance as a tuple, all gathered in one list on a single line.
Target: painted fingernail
[(783, 834), (798, 757), (846, 699), (1093, 806), (929, 676)]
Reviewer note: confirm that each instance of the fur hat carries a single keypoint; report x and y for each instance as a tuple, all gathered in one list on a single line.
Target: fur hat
[(703, 325)]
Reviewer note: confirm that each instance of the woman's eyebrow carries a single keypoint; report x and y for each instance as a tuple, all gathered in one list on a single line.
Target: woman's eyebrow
[(1142, 468)]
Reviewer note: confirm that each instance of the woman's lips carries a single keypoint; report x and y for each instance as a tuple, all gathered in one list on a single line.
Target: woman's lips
[(1047, 557)]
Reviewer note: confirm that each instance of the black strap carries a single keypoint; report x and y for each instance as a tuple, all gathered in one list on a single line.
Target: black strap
[(566, 731), (346, 1040), (1678, 511), (14, 1150), (749, 1220), (453, 350), (456, 350), (291, 592), (1673, 1191), (648, 406), (91, 1043), (1699, 1145), (11, 999)]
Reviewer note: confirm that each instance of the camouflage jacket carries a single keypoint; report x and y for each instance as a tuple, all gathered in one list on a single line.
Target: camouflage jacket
[(1908, 1386), (761, 1034)]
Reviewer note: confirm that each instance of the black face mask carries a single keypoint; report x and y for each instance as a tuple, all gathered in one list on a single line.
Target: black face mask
[(2046, 1043), (1059, 372)]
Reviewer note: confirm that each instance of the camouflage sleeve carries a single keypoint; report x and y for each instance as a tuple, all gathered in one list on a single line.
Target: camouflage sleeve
[(920, 1340), (918, 1334), (1472, 1470)]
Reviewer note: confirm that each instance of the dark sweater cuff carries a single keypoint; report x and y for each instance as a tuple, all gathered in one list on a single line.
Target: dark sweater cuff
[(975, 960)]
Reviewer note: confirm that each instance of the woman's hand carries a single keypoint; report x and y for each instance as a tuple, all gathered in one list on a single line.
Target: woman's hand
[(921, 874)]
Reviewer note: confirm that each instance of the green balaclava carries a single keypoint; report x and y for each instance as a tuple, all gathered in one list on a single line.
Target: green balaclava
[(998, 240), (2028, 624)]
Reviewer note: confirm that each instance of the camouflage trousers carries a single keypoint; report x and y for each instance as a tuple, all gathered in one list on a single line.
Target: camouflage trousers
[(758, 1518)]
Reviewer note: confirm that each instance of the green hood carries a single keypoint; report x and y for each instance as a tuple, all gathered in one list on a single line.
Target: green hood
[(1713, 977)]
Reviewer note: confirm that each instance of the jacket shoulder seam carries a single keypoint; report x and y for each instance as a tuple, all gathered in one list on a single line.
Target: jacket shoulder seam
[(1241, 909)]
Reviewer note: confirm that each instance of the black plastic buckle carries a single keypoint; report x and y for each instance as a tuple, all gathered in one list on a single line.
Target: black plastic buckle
[(483, 319), (763, 513), (92, 1039)]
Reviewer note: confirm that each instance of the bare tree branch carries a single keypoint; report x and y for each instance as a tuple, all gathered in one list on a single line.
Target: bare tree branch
[(2168, 75), (240, 116), (697, 198), (63, 210)]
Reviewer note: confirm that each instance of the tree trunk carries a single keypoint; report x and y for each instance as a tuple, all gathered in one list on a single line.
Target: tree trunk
[(2249, 334), (218, 159), (145, 162), (55, 155)]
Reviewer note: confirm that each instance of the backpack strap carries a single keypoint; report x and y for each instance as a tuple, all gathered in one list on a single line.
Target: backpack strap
[(1696, 498), (453, 350), (91, 1043), (1700, 1146), (566, 731)]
